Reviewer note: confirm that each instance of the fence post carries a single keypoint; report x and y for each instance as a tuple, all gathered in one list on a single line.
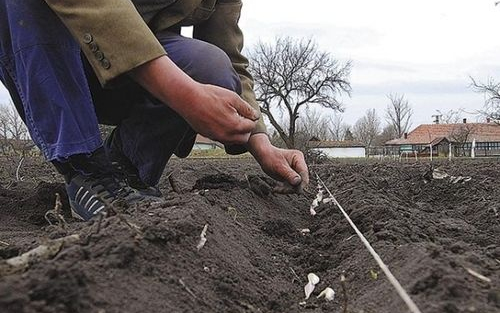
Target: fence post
[(473, 149)]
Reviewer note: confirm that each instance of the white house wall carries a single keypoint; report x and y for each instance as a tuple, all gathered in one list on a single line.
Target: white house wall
[(357, 152), (203, 146)]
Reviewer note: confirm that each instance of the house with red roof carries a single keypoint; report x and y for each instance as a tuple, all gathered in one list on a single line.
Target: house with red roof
[(439, 138)]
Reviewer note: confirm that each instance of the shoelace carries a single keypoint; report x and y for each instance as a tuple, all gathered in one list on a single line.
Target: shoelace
[(128, 174), (106, 183), (110, 179)]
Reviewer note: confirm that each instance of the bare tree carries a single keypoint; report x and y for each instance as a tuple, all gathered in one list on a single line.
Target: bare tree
[(398, 114), (450, 116), (292, 74), (14, 135), (347, 131), (338, 127), (388, 133), (367, 128), (4, 129), (460, 136), (491, 89), (314, 124)]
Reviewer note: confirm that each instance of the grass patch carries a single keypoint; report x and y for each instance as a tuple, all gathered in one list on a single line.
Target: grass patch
[(216, 154)]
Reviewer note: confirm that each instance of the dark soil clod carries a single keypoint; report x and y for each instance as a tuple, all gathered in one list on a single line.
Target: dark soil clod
[(217, 181)]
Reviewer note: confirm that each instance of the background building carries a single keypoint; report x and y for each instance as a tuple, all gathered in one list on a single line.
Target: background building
[(438, 138), (203, 143), (338, 149)]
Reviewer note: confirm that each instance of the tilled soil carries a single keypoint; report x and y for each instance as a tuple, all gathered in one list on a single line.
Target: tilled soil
[(431, 232)]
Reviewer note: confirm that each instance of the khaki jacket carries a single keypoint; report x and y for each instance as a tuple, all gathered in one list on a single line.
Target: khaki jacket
[(117, 36)]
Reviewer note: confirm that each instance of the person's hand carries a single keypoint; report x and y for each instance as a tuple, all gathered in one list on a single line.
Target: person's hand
[(287, 166), (212, 111), (221, 115)]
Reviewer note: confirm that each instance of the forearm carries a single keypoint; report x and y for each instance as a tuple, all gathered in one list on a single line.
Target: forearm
[(167, 82), (212, 111)]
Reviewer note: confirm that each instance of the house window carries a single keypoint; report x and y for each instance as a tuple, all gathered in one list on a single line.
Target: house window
[(485, 146), (418, 148), (405, 148)]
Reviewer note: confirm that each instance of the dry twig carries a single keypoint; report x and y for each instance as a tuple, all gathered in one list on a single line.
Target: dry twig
[(344, 292), (191, 293), (96, 231), (18, 178), (248, 182), (249, 307), (203, 238), (346, 190), (42, 252), (477, 275), (56, 213), (232, 211), (296, 277), (113, 208)]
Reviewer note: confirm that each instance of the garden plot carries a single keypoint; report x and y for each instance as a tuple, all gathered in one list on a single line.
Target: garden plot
[(226, 243)]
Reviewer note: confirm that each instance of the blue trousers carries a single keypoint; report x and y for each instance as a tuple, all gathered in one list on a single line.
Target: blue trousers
[(62, 103)]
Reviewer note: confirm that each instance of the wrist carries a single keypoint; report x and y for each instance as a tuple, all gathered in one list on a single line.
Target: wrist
[(259, 145)]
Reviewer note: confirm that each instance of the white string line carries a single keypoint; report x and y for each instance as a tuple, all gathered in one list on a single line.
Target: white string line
[(402, 293)]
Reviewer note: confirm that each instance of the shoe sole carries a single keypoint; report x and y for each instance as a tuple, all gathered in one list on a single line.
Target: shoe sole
[(75, 214)]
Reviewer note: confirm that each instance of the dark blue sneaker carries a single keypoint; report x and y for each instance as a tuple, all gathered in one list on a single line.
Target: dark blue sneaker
[(89, 195), (131, 177), (123, 165), (92, 184)]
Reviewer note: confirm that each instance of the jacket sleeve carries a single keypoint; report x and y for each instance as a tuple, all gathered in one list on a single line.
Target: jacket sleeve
[(222, 30), (112, 34)]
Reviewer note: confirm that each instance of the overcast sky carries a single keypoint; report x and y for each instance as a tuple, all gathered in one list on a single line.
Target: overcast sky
[(425, 49)]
